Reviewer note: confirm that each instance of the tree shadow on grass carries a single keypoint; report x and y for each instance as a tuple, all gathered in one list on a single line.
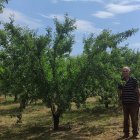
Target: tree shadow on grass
[(46, 133), (78, 131), (7, 102), (97, 113), (33, 132), (10, 112), (14, 110)]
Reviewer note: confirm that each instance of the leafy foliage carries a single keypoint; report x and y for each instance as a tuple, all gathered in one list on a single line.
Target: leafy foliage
[(2, 2), (41, 66)]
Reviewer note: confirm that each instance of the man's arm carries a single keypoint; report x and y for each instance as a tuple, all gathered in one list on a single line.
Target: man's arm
[(138, 93), (137, 89), (119, 96)]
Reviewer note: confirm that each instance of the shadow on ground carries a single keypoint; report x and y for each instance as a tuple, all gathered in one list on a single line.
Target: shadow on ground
[(46, 133), (77, 130)]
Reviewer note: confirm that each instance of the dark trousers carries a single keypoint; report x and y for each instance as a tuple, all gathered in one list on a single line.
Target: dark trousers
[(132, 111)]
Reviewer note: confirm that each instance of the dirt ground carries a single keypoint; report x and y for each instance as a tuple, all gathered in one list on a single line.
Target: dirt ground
[(87, 124)]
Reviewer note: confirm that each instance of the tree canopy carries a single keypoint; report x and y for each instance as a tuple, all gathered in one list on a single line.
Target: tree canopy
[(41, 67)]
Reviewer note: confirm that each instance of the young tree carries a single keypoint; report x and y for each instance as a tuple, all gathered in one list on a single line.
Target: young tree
[(39, 66), (101, 66), (59, 68), (21, 64)]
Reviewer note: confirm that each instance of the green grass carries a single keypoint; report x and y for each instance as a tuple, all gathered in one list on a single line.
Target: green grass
[(90, 122)]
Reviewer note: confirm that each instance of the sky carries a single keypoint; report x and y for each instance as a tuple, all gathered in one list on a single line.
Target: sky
[(92, 16)]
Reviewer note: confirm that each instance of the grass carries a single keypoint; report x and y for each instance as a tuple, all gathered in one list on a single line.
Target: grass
[(90, 122)]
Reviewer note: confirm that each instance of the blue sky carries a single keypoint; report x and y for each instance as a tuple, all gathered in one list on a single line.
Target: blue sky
[(92, 16)]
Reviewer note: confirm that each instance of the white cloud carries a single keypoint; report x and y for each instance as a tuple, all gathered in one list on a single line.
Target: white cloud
[(121, 8), (126, 1), (86, 27), (118, 7), (103, 14), (98, 1), (56, 1), (116, 22), (82, 25), (20, 18), (52, 16)]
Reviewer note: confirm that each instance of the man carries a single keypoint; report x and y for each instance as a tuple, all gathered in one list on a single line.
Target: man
[(130, 98)]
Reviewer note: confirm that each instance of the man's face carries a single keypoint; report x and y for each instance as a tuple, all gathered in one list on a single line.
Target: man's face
[(125, 72)]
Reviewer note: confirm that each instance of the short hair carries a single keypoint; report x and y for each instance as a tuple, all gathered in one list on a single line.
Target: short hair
[(126, 67)]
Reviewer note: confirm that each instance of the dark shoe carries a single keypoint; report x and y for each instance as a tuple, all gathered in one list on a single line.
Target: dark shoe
[(135, 137)]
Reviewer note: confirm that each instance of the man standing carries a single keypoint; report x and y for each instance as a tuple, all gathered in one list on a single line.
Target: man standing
[(130, 98)]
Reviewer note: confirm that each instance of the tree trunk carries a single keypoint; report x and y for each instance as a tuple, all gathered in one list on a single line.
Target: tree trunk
[(23, 103), (106, 105), (15, 99), (56, 121), (21, 108), (106, 102), (5, 95)]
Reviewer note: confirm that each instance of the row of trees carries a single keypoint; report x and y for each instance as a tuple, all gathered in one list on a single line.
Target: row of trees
[(36, 66)]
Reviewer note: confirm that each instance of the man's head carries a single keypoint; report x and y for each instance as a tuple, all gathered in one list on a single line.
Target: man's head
[(126, 71)]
